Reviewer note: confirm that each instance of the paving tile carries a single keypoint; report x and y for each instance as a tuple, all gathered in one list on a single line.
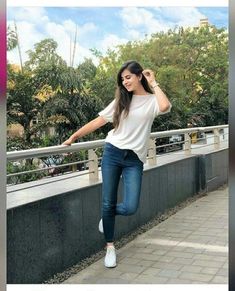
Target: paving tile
[(130, 268), (159, 246), (126, 254), (151, 271), (209, 258), (178, 281), (142, 250), (196, 277), (193, 250), (148, 257), (180, 255), (206, 263), (182, 261), (91, 280), (169, 273), (191, 269), (190, 247), (128, 276), (88, 279), (145, 263), (169, 266), (222, 272), (220, 280), (198, 282), (112, 281), (129, 261), (225, 266), (165, 259), (112, 273), (211, 271), (218, 254), (86, 274), (159, 252), (147, 279)]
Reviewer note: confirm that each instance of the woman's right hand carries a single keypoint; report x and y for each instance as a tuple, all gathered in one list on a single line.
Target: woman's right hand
[(149, 75), (68, 142)]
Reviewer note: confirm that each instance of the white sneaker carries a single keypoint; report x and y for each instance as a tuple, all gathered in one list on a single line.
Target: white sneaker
[(110, 258), (101, 228)]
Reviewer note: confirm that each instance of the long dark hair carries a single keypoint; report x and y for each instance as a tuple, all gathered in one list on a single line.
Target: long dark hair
[(123, 96)]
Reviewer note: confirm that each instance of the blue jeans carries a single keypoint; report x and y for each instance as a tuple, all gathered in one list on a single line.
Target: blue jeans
[(116, 163)]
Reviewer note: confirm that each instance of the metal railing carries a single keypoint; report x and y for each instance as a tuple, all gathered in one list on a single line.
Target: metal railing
[(92, 146)]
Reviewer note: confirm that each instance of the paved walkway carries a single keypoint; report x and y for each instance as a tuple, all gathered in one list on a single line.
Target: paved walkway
[(189, 247)]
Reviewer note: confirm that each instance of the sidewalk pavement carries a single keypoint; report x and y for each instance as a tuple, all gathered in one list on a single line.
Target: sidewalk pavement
[(190, 247)]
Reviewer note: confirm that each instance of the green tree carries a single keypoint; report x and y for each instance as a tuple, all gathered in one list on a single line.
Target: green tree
[(45, 64), (75, 103), (29, 90), (22, 107), (11, 39), (191, 66)]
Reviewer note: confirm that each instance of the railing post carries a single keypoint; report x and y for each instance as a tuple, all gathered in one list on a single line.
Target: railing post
[(187, 144), (216, 139), (74, 168), (152, 158), (93, 165)]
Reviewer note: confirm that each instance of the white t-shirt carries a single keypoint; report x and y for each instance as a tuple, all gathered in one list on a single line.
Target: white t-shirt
[(133, 131)]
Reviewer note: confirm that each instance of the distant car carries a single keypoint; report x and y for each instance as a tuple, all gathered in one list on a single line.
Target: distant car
[(51, 162), (176, 141), (175, 138)]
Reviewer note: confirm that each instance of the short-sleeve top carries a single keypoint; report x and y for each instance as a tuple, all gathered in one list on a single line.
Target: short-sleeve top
[(134, 130)]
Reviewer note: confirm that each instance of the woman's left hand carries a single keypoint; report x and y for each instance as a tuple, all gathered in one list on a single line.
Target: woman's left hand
[(149, 75)]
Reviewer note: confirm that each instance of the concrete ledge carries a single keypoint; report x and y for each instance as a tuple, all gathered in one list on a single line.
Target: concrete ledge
[(55, 225)]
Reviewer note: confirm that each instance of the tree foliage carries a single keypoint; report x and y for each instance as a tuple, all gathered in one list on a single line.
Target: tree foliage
[(11, 39), (191, 66)]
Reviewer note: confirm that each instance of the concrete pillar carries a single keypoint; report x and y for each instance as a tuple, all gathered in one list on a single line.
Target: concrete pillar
[(152, 158), (216, 139), (187, 144), (93, 165)]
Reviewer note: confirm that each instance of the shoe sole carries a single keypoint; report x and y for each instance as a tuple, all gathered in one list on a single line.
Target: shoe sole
[(110, 266)]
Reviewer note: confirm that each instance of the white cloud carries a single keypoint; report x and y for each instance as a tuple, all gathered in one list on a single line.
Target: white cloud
[(35, 24), (69, 25), (64, 35), (134, 34), (87, 28), (32, 31), (82, 30), (135, 17), (110, 41), (31, 14), (28, 35), (182, 16), (141, 21)]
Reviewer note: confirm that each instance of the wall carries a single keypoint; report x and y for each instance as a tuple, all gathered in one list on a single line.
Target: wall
[(50, 235)]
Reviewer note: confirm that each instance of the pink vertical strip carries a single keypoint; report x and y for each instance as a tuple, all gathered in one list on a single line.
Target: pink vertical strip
[(3, 48)]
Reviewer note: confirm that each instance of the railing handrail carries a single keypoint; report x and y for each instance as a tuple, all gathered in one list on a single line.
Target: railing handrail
[(60, 149), (167, 133), (46, 151)]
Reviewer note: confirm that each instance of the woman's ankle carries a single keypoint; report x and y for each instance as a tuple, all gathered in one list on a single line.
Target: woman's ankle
[(110, 244)]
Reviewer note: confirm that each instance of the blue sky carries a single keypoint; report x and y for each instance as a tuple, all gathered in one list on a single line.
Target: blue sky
[(100, 27)]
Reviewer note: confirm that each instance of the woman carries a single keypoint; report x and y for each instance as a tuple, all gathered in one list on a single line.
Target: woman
[(132, 113)]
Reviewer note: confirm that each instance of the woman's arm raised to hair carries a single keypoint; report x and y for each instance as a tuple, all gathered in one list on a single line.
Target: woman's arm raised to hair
[(163, 101), (86, 129)]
